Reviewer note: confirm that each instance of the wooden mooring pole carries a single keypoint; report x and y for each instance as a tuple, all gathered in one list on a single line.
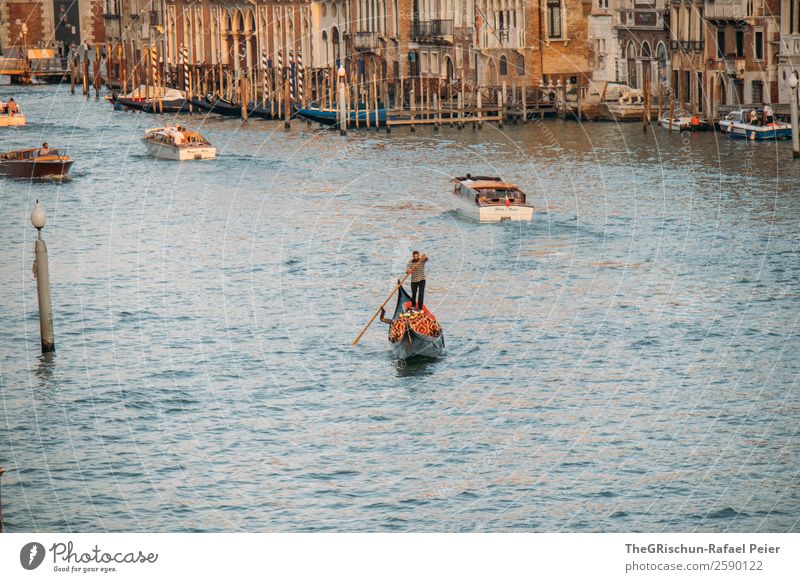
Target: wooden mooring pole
[(85, 76), (501, 104), (2, 470), (287, 101), (243, 96), (96, 71), (524, 101)]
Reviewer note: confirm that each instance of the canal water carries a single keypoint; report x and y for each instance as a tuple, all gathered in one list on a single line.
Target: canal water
[(626, 362)]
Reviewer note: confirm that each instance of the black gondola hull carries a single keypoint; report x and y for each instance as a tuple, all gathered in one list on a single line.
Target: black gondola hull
[(173, 106), (231, 109), (413, 344)]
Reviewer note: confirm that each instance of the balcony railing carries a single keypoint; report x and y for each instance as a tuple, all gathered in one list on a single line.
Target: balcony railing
[(790, 45), (686, 46), (725, 10), (432, 30), (365, 41), (513, 38), (641, 18)]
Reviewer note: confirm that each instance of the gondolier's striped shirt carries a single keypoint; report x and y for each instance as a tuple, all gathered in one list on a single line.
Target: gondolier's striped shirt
[(418, 270)]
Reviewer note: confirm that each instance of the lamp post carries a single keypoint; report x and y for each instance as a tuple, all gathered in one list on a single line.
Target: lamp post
[(795, 128), (42, 275)]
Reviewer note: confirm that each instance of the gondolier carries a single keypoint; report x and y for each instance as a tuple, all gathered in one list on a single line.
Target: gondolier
[(416, 268)]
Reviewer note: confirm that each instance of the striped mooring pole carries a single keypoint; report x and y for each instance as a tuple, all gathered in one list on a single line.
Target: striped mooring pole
[(263, 77), (185, 62), (155, 77), (301, 93), (291, 76)]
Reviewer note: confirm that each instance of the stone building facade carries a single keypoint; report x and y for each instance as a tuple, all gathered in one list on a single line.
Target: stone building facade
[(741, 50), (483, 41), (687, 38), (642, 32), (788, 57)]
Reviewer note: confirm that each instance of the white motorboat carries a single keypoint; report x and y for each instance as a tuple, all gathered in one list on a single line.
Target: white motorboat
[(490, 199), (685, 123), (755, 125), (15, 119), (177, 143)]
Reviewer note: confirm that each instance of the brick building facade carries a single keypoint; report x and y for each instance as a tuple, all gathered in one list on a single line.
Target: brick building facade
[(50, 24)]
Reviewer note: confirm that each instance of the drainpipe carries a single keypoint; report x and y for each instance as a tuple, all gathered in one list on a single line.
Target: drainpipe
[(541, 43)]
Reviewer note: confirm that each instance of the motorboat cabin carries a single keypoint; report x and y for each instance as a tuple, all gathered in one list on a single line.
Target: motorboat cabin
[(490, 199)]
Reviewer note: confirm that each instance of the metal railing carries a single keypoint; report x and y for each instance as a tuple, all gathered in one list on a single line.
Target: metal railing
[(642, 17), (506, 38), (432, 30), (686, 46)]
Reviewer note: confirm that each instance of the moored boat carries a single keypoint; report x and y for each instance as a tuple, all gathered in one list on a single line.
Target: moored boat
[(143, 99), (219, 106), (755, 125), (13, 118), (177, 143), (681, 123), (35, 163), (414, 333), (490, 199), (330, 116)]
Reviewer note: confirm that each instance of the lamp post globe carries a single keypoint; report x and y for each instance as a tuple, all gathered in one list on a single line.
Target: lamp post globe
[(793, 81), (38, 216)]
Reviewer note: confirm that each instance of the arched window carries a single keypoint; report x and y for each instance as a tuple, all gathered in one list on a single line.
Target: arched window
[(503, 66), (661, 57), (335, 40), (630, 55)]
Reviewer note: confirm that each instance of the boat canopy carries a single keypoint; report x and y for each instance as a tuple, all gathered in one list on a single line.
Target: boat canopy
[(142, 92), (490, 185)]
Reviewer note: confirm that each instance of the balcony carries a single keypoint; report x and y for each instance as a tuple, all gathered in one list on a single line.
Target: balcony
[(641, 18), (790, 45), (734, 65), (365, 42), (510, 38), (436, 31), (686, 46), (720, 10), (111, 16)]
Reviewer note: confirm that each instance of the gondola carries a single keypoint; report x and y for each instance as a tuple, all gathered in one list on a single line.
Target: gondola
[(329, 117), (413, 344), (141, 99), (227, 108), (150, 106)]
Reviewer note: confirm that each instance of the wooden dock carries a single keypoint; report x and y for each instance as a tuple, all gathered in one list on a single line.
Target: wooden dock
[(24, 71)]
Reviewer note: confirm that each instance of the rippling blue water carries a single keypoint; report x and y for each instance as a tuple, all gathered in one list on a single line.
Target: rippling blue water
[(626, 362)]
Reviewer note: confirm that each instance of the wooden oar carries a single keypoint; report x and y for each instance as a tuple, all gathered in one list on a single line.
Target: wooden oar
[(400, 284)]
